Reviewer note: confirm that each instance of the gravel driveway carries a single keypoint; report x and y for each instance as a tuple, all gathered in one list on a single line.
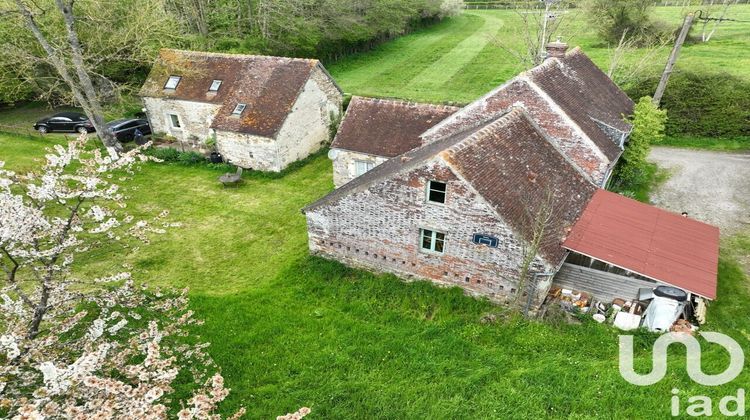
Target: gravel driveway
[(711, 186)]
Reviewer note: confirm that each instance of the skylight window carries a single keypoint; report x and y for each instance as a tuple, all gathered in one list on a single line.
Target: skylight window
[(214, 86), (238, 109), (172, 82)]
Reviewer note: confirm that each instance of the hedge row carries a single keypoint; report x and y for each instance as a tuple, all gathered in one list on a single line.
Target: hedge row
[(702, 104)]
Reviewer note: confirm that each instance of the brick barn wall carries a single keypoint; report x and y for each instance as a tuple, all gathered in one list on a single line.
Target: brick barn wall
[(379, 228), (344, 164), (553, 122)]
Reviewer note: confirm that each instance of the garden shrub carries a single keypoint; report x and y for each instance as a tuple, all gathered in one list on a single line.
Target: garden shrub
[(168, 154), (633, 169), (702, 104)]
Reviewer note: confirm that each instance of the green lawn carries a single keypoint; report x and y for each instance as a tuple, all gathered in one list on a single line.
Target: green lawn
[(456, 60), (292, 330)]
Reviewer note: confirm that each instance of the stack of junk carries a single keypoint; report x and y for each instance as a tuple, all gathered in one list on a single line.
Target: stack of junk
[(661, 309)]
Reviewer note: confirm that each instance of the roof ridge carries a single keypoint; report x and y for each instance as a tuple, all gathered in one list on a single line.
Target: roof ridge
[(492, 123), (404, 102), (237, 55)]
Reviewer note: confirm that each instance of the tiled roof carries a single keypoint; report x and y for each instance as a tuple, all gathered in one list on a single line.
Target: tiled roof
[(386, 127), (511, 164), (586, 95), (269, 86), (582, 91), (519, 171), (649, 241)]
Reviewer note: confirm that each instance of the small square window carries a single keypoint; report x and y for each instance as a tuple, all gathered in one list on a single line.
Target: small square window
[(174, 121), (214, 86), (238, 109), (362, 166), (172, 82), (432, 241), (436, 191)]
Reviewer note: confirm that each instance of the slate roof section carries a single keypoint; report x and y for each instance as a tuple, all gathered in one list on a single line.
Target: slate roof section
[(269, 86), (649, 241), (386, 128), (511, 164), (586, 95)]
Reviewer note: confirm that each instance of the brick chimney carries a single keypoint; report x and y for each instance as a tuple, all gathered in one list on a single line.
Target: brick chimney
[(556, 49)]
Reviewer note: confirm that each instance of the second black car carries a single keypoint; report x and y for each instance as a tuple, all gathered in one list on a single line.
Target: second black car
[(124, 130)]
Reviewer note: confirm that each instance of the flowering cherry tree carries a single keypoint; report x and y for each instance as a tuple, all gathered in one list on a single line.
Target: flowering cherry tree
[(73, 347)]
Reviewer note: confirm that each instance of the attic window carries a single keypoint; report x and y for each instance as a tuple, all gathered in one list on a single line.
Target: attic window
[(214, 86), (238, 109), (436, 191), (172, 82)]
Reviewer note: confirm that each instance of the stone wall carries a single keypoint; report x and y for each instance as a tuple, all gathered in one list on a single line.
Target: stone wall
[(195, 119), (248, 151), (344, 164), (307, 128), (379, 229)]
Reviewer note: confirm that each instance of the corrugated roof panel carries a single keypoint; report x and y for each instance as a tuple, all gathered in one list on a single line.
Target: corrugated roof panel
[(650, 241)]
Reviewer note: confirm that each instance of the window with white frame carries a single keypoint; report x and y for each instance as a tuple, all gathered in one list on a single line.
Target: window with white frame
[(362, 166), (432, 240), (172, 82), (436, 191), (238, 109), (214, 86), (174, 121)]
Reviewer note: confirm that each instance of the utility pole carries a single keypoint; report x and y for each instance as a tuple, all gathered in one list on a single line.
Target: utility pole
[(672, 59)]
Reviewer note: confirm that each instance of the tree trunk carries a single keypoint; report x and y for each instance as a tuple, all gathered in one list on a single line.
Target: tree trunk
[(92, 107), (80, 93)]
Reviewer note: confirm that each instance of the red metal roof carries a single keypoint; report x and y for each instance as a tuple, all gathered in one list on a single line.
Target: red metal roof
[(649, 241)]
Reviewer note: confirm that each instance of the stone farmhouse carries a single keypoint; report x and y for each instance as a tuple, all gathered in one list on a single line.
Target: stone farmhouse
[(263, 112), (461, 204)]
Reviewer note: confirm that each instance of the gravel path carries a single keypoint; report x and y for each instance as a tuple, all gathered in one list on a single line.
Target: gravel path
[(711, 186)]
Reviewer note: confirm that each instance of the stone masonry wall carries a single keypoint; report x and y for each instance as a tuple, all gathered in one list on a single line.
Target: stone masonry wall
[(248, 151), (379, 229), (307, 127), (344, 164), (195, 118)]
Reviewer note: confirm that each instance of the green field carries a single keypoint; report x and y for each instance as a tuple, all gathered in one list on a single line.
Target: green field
[(458, 60), (291, 330)]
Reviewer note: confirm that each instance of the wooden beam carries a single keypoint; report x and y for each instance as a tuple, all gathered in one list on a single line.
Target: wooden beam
[(686, 24)]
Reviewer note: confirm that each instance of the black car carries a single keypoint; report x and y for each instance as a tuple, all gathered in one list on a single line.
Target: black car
[(72, 122), (124, 130)]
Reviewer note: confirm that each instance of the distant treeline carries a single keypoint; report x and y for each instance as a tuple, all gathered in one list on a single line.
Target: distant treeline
[(122, 38)]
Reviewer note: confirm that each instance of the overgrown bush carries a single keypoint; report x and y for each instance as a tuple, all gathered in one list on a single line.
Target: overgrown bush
[(168, 154), (702, 104), (633, 170)]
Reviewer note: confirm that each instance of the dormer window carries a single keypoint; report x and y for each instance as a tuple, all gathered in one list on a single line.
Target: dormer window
[(172, 82), (436, 191), (214, 86), (238, 109)]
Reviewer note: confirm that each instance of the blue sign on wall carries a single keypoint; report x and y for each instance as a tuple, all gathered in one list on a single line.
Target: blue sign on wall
[(488, 240)]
